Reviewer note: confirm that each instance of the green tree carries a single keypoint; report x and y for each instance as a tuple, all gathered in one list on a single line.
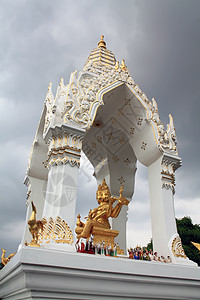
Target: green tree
[(150, 245), (189, 233)]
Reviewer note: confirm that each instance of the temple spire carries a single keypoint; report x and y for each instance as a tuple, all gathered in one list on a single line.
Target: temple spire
[(101, 55), (102, 43)]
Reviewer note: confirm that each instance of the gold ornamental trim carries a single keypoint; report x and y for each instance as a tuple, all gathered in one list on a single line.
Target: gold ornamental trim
[(177, 248), (56, 230)]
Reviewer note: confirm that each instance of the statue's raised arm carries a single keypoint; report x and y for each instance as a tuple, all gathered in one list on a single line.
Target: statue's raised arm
[(121, 201)]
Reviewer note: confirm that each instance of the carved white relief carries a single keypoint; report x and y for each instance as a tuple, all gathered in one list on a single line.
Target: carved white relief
[(78, 102), (27, 182), (153, 114), (80, 97), (60, 98), (63, 160), (49, 106), (31, 154), (169, 165), (168, 186), (64, 147), (170, 140), (167, 139), (81, 94), (65, 141)]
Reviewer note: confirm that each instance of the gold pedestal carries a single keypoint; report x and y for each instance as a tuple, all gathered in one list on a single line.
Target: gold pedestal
[(32, 244), (104, 235)]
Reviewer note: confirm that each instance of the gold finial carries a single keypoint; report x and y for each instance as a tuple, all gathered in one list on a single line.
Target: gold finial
[(121, 190), (61, 81), (123, 66), (117, 65), (103, 187), (102, 43), (79, 220), (50, 85)]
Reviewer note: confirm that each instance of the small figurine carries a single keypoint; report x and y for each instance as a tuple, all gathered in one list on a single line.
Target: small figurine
[(5, 260), (87, 245), (90, 243), (99, 248), (140, 253), (169, 260), (102, 248), (82, 245), (106, 250), (155, 256), (35, 227), (109, 249), (151, 256), (77, 247), (136, 255), (96, 250), (162, 259), (145, 254), (115, 250), (130, 252)]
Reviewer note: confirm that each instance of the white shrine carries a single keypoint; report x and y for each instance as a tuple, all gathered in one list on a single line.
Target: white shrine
[(103, 113)]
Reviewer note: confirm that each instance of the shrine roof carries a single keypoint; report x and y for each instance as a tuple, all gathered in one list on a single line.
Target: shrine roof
[(101, 55)]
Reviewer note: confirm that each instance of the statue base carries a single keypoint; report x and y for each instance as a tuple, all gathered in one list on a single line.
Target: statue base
[(104, 235), (32, 244), (107, 236), (36, 273)]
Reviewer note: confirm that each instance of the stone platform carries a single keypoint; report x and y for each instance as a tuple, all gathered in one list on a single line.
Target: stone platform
[(35, 273)]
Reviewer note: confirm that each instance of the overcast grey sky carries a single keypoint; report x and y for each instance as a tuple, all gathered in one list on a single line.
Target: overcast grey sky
[(44, 40)]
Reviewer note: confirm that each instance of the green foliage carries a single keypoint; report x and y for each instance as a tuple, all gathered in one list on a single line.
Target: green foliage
[(1, 266), (189, 233), (150, 245)]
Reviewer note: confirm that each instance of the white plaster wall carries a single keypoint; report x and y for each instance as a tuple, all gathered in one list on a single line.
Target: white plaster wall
[(49, 199), (61, 193)]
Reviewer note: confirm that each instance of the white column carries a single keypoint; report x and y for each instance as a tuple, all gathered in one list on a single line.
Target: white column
[(161, 189), (63, 162), (61, 193)]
